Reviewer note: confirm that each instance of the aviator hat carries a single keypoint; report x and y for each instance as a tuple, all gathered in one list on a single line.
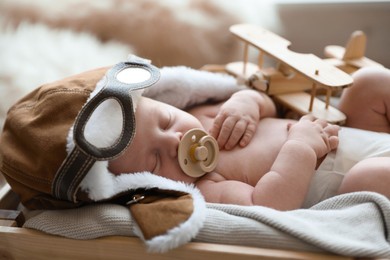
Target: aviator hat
[(57, 141)]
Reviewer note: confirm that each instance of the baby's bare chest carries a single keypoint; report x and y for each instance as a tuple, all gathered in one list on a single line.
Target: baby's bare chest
[(250, 163)]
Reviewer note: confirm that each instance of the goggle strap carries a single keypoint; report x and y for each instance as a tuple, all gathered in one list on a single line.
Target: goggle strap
[(70, 174)]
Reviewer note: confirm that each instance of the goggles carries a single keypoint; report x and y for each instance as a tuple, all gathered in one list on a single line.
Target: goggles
[(119, 89)]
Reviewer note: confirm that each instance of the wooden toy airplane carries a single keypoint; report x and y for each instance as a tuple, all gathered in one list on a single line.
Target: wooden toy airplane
[(295, 73), (352, 57)]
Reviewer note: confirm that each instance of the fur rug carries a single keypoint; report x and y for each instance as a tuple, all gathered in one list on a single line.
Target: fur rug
[(42, 40), (31, 55)]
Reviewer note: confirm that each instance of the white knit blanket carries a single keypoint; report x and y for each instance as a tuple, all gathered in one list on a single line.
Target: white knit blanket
[(356, 224)]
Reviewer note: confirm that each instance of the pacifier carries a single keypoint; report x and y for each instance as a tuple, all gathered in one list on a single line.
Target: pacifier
[(197, 153)]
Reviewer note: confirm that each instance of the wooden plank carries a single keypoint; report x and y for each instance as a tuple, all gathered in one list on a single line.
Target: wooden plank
[(12, 216), (20, 243), (8, 223)]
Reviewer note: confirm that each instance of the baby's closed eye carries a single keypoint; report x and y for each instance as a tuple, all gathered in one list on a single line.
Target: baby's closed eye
[(166, 120)]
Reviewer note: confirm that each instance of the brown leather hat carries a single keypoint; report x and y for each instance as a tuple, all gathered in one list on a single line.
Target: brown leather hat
[(53, 138), (57, 141), (32, 145)]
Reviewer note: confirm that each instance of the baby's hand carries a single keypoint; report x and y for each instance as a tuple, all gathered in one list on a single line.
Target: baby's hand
[(235, 123), (316, 133)]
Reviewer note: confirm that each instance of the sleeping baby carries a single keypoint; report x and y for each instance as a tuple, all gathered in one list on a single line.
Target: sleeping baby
[(264, 160), (97, 136)]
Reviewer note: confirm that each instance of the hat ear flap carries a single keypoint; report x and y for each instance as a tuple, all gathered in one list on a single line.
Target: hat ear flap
[(165, 218), (161, 211)]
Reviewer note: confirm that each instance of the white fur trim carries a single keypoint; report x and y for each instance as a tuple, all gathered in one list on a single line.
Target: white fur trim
[(183, 87)]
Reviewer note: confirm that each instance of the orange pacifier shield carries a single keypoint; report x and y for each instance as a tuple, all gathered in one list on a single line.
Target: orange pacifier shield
[(197, 153)]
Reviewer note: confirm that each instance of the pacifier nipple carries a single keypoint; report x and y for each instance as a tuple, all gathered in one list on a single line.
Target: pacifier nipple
[(197, 153)]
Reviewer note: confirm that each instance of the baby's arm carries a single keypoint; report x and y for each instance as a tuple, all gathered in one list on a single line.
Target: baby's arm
[(237, 118), (285, 186)]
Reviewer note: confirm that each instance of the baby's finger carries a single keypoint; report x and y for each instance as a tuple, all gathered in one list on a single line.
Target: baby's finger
[(332, 130), (333, 142), (236, 134), (217, 125), (249, 133), (323, 123), (225, 132), (309, 117)]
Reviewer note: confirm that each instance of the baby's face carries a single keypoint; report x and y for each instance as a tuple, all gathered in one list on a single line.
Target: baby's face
[(159, 129)]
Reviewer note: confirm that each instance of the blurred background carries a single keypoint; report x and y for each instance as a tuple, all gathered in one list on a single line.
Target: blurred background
[(44, 40)]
